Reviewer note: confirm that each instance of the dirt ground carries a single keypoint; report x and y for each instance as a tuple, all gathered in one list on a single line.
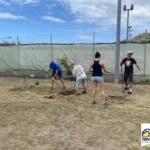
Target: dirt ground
[(34, 117)]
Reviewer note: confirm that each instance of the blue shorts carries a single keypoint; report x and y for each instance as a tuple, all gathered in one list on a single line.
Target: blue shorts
[(79, 81), (98, 79), (59, 74)]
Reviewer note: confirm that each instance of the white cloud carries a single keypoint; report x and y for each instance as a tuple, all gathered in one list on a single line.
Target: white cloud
[(103, 13), (91, 11), (53, 19), (84, 37), (51, 6), (10, 16), (4, 2), (26, 1)]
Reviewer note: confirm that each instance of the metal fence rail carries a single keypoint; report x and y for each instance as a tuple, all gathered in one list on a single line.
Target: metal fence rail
[(33, 54)]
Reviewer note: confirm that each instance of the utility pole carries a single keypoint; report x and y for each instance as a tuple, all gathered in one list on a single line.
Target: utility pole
[(117, 58), (128, 10), (129, 32), (145, 52)]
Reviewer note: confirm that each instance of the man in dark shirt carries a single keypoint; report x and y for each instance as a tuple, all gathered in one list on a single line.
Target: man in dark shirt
[(128, 73)]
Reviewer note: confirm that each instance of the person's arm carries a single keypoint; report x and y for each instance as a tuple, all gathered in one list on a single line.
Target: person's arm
[(75, 78), (74, 74), (134, 62), (49, 69), (104, 68), (122, 62), (138, 67), (90, 67), (82, 68), (55, 74)]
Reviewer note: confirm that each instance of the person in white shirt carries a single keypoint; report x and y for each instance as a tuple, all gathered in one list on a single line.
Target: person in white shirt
[(80, 77)]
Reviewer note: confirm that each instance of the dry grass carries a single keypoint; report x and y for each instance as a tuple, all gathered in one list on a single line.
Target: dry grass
[(36, 118)]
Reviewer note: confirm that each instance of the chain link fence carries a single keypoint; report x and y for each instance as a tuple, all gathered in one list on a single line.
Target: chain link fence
[(22, 56)]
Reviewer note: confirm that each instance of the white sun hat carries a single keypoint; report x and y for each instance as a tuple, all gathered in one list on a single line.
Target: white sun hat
[(129, 52)]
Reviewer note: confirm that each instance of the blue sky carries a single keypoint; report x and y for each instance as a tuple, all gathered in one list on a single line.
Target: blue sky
[(69, 21)]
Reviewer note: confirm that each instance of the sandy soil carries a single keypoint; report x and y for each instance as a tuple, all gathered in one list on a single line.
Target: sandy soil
[(34, 117)]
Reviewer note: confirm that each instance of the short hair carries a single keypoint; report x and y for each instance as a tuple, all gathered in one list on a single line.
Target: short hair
[(97, 54), (72, 64)]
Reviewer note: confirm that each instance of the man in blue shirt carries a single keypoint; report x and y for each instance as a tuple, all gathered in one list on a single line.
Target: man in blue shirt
[(57, 71)]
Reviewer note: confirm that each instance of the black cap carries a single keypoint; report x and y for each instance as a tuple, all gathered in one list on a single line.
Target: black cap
[(97, 54)]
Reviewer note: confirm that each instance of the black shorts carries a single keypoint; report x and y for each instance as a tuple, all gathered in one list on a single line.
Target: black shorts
[(59, 74), (128, 75)]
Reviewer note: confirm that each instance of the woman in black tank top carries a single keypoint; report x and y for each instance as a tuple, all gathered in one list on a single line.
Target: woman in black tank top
[(96, 67)]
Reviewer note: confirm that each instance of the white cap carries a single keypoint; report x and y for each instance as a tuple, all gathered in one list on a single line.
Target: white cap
[(129, 52)]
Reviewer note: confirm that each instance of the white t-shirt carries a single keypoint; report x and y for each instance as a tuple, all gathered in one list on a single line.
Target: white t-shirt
[(79, 72)]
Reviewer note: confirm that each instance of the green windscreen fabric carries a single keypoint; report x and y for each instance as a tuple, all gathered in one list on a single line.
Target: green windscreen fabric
[(38, 57)]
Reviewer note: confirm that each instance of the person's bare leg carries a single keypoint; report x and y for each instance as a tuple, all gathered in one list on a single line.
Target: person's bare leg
[(84, 85), (62, 81), (52, 84), (101, 85), (130, 85), (130, 90), (84, 89), (78, 82), (94, 92), (126, 83), (77, 90)]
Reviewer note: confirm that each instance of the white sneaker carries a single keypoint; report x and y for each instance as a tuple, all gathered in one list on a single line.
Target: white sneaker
[(130, 91)]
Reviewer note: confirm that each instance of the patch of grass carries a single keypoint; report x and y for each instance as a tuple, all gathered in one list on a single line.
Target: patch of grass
[(146, 80), (53, 124), (21, 88)]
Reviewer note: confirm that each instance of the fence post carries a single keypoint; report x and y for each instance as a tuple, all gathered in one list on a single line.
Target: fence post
[(145, 53), (51, 48), (18, 53)]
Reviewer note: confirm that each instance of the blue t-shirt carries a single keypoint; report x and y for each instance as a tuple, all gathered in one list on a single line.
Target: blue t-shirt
[(55, 66)]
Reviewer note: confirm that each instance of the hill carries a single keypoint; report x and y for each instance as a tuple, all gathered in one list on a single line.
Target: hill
[(142, 38)]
